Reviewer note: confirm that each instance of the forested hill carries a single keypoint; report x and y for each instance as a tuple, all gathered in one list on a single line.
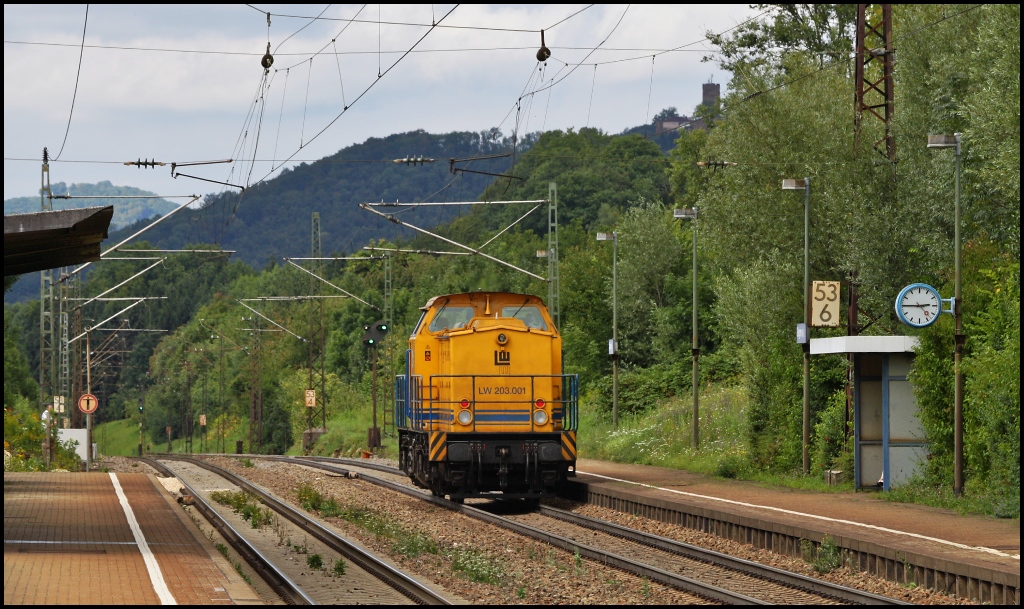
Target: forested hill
[(126, 211), (272, 220)]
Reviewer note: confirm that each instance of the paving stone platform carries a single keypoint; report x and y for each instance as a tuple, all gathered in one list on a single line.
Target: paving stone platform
[(69, 541)]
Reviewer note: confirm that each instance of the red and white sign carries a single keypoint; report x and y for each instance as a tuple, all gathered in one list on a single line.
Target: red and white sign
[(88, 403)]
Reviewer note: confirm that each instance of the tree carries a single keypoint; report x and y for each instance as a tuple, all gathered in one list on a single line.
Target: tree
[(822, 32)]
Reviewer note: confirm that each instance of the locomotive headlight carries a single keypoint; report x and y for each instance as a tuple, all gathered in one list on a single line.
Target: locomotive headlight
[(540, 417), (502, 338), (465, 417)]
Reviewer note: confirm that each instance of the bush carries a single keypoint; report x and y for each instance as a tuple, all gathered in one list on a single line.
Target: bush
[(825, 558), (830, 434), (315, 562), (641, 389), (730, 466), (991, 368)]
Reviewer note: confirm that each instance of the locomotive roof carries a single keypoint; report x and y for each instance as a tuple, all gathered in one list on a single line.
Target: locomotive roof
[(431, 302)]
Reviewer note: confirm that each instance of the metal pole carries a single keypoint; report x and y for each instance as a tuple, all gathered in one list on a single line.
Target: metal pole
[(696, 348), (958, 349), (374, 431), (88, 417), (615, 333), (807, 322)]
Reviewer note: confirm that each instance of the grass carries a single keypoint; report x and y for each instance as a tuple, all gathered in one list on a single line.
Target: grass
[(248, 506), (476, 565), (121, 438), (404, 541), (117, 438), (977, 499), (662, 436), (825, 558), (347, 434)]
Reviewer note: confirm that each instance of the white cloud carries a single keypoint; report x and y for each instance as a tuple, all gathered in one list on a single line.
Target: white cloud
[(183, 106)]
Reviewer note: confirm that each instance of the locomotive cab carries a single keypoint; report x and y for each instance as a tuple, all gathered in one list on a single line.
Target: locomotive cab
[(484, 406)]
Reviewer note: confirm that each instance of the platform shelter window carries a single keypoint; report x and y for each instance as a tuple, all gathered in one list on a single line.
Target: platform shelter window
[(530, 316), (451, 318)]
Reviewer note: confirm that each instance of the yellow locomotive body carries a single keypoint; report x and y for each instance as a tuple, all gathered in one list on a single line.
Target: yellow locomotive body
[(484, 406)]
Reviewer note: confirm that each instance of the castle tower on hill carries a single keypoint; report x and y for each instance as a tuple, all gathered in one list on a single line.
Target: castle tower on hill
[(711, 92)]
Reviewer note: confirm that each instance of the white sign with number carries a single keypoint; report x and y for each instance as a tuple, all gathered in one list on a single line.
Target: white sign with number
[(825, 304), (310, 398)]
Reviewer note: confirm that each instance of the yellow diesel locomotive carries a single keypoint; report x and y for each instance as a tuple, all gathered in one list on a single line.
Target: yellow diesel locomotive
[(484, 407)]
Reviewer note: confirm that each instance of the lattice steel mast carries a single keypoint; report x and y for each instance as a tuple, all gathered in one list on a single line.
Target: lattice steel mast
[(874, 76), (316, 415)]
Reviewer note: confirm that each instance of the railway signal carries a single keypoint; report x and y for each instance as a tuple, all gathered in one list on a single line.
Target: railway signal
[(374, 334)]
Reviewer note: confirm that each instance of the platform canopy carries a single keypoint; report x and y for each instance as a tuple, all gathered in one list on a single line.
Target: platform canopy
[(864, 344), (52, 239)]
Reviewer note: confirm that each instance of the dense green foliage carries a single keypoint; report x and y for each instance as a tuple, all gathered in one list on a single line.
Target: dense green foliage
[(875, 226), (958, 71), (270, 219)]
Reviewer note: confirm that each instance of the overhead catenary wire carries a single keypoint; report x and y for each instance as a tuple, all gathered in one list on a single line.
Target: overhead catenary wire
[(311, 21), (650, 89), (361, 95), (332, 42), (78, 75), (109, 47), (590, 104)]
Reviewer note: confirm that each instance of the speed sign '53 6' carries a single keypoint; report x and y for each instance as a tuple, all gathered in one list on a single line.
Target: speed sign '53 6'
[(825, 304)]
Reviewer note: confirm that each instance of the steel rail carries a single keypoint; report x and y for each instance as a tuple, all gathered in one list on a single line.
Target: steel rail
[(748, 567), (773, 574), (275, 578), (391, 576), (622, 563)]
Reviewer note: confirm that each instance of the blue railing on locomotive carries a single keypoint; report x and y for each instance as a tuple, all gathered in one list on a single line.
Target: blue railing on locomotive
[(414, 401), (401, 403)]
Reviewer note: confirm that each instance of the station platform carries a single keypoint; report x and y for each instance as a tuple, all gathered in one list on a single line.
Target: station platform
[(975, 557), (104, 539)]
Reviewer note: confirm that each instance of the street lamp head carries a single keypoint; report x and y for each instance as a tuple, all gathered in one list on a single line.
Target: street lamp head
[(795, 184), (943, 140), (542, 253), (606, 236), (688, 214)]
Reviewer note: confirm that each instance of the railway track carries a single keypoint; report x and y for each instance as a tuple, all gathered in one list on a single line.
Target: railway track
[(696, 570), (287, 589), (406, 586)]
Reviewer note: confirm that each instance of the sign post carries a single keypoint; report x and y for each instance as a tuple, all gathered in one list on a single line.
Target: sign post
[(88, 403)]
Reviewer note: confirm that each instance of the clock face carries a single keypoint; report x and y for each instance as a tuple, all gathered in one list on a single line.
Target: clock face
[(918, 305)]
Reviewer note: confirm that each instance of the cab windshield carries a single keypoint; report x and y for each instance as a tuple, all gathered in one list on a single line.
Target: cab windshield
[(529, 315), (451, 318)]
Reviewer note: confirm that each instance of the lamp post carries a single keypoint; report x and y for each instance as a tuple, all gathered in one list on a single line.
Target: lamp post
[(805, 185), (691, 214), (959, 337), (613, 345)]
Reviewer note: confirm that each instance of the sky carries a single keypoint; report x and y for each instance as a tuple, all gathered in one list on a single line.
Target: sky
[(184, 83)]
